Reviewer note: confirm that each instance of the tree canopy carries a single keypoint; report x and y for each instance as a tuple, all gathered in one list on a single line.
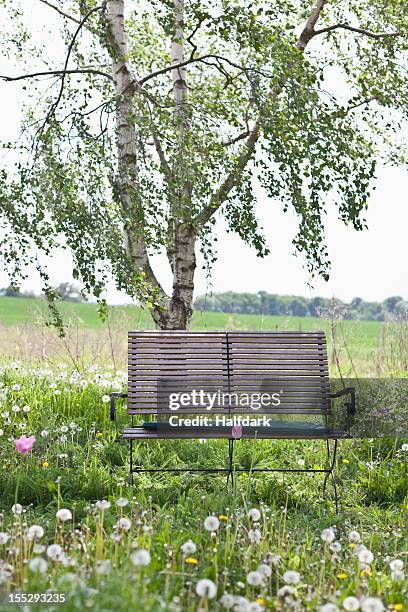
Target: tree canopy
[(164, 113)]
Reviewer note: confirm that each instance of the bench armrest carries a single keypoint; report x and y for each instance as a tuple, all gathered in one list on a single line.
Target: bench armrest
[(113, 398), (350, 405)]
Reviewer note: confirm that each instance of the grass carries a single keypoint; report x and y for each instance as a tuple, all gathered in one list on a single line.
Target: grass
[(129, 547), (77, 462), (362, 338)]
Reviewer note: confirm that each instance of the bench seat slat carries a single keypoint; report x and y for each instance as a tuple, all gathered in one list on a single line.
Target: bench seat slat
[(138, 433)]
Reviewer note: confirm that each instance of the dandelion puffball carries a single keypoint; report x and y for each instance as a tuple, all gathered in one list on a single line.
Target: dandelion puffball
[(140, 558), (254, 515), (328, 535), (64, 515), (206, 588), (211, 523), (365, 556), (38, 565), (372, 604), (354, 537), (35, 531), (188, 548), (351, 604), (291, 577), (255, 578)]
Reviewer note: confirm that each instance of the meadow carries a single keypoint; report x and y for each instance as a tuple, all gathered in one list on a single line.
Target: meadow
[(75, 534)]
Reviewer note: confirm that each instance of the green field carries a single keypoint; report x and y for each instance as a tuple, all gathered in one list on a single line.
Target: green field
[(357, 342), (19, 311)]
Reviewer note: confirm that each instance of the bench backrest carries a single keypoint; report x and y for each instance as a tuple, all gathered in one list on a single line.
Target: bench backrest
[(236, 362)]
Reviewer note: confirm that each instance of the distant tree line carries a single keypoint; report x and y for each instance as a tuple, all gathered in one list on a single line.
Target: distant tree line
[(272, 304), (67, 292)]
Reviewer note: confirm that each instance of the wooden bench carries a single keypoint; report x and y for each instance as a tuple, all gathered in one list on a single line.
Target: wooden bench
[(241, 363)]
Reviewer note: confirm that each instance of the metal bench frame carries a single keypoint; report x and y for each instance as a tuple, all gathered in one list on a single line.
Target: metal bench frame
[(134, 433)]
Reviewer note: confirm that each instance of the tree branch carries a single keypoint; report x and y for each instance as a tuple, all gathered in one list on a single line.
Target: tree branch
[(233, 178), (56, 8), (54, 106), (309, 28), (57, 73), (202, 58), (345, 26)]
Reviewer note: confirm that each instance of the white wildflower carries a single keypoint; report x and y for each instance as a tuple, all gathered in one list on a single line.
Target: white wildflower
[(38, 565), (328, 535), (396, 565), (4, 537), (64, 515), (211, 523), (17, 509), (265, 570), (105, 399), (141, 558), (35, 531), (329, 607), (365, 556), (397, 575), (351, 604), (124, 523), (285, 590), (55, 552), (255, 578), (102, 504), (354, 537), (255, 535), (254, 515), (206, 588), (122, 502), (372, 604), (291, 577), (188, 548), (227, 601)]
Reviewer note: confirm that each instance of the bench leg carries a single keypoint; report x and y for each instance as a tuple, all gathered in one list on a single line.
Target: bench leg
[(131, 463), (230, 462), (330, 472)]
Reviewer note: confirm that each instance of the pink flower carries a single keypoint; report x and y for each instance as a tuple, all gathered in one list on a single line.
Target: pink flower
[(236, 431), (24, 444)]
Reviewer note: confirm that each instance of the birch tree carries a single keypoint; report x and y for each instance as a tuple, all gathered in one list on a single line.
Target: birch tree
[(162, 116)]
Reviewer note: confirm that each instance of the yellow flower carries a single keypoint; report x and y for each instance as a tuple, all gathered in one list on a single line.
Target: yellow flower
[(365, 572), (352, 545), (223, 517), (99, 434), (191, 561), (342, 576), (260, 601), (398, 607), (346, 461), (45, 464)]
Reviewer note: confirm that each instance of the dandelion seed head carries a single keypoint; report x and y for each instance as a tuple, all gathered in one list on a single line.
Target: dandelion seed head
[(38, 565), (35, 531), (206, 588), (291, 577), (140, 558), (211, 523), (64, 515)]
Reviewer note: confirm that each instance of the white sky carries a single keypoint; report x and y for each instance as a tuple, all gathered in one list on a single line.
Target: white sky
[(371, 264)]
